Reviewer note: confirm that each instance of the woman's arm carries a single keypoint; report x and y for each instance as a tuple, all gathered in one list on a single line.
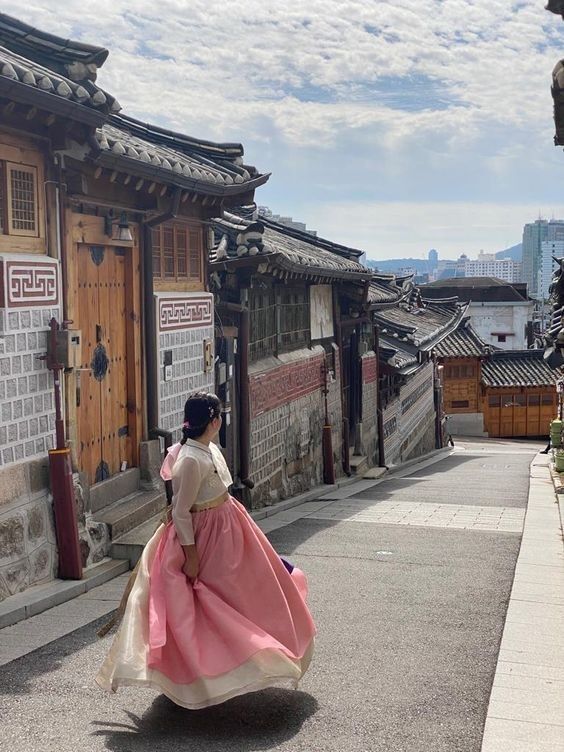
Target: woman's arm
[(186, 484)]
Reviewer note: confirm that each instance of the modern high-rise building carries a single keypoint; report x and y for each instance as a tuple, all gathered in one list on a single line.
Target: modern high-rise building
[(534, 234), (488, 265), (550, 249), (433, 257)]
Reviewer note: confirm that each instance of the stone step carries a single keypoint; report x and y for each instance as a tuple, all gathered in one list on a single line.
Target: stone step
[(39, 598), (131, 511), (113, 489), (130, 545), (358, 464)]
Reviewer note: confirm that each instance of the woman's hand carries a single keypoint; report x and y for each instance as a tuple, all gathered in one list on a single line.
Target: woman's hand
[(191, 566)]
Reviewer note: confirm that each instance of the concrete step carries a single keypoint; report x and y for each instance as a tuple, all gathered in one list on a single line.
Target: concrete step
[(113, 489), (131, 511), (359, 464), (375, 473), (39, 598), (130, 546)]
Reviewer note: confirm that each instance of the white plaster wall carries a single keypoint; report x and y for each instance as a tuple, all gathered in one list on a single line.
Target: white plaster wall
[(504, 318)]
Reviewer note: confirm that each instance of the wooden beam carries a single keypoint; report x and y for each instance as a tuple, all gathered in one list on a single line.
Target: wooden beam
[(127, 180), (31, 113), (113, 176), (151, 188), (50, 119), (194, 198), (139, 184), (97, 172), (9, 108), (185, 197), (164, 189)]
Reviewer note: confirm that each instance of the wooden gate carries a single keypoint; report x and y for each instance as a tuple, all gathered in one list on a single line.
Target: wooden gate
[(103, 405), (519, 414)]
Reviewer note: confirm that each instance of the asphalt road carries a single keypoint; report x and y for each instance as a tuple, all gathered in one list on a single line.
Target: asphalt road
[(409, 618)]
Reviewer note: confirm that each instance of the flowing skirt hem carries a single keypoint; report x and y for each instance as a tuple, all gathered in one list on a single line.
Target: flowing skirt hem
[(266, 683)]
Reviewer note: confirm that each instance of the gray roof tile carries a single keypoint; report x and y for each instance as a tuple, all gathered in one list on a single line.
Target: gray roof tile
[(518, 368)]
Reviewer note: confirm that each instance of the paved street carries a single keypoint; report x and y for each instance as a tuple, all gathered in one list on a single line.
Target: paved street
[(410, 580)]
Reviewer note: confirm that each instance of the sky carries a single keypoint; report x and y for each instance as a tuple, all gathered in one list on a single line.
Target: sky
[(394, 126)]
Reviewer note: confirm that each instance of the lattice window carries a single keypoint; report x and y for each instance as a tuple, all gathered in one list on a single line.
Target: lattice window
[(294, 318), (22, 204), (177, 252), (262, 305)]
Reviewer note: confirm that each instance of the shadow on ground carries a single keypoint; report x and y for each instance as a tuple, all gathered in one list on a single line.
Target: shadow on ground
[(258, 721)]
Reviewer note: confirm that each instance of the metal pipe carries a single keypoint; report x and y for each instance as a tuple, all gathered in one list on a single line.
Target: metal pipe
[(244, 401), (62, 235), (151, 347), (379, 412)]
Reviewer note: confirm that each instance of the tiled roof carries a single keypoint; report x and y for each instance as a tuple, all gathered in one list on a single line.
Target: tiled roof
[(24, 79), (238, 238), (476, 289), (556, 6), (464, 342), (517, 368), (385, 292), (398, 358), (35, 64), (158, 154), (36, 44), (419, 326)]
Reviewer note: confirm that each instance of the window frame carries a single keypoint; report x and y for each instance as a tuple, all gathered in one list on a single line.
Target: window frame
[(190, 272), (8, 168), (21, 152)]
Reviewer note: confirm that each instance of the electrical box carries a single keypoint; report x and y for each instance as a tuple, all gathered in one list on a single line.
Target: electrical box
[(208, 355), (68, 348)]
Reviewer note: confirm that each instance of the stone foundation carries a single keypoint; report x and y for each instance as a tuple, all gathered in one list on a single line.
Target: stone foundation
[(28, 553), (287, 418)]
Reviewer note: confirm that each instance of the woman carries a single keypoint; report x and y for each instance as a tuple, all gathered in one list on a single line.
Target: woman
[(213, 612)]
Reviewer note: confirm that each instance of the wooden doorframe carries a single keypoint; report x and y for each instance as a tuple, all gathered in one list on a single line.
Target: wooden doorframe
[(89, 230)]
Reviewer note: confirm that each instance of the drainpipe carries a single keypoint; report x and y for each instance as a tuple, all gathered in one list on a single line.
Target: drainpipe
[(379, 412), (244, 412), (244, 401), (345, 421), (151, 345)]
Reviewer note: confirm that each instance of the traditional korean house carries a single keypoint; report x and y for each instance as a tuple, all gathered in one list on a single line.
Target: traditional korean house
[(104, 229), (295, 356), (518, 391), (460, 357), (410, 401)]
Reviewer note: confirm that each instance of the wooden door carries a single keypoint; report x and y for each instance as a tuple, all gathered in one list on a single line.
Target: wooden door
[(104, 443)]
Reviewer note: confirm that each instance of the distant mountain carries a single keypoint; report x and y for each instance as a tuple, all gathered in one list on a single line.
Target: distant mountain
[(393, 265), (515, 253)]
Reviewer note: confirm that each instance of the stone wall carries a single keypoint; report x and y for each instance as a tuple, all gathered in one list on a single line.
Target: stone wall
[(185, 321), (408, 416), (287, 418), (28, 553), (369, 428)]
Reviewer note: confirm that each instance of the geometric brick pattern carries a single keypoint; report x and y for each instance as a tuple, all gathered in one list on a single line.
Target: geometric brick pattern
[(27, 415), (283, 384), (29, 284), (177, 314), (187, 373)]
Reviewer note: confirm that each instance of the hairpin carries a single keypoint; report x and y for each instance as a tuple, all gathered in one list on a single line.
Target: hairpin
[(186, 424)]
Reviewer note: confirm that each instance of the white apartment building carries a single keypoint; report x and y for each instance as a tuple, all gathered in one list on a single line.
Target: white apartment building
[(549, 248), (487, 265)]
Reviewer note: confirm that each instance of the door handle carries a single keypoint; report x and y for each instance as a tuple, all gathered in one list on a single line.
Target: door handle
[(98, 333)]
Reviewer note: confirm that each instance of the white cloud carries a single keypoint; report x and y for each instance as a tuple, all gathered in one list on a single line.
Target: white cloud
[(433, 101), (411, 229)]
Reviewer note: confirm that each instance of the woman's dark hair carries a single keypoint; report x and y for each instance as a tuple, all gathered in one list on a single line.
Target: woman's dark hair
[(200, 409)]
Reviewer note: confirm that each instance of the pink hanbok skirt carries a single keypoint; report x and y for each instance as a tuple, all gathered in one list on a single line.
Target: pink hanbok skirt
[(241, 626)]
